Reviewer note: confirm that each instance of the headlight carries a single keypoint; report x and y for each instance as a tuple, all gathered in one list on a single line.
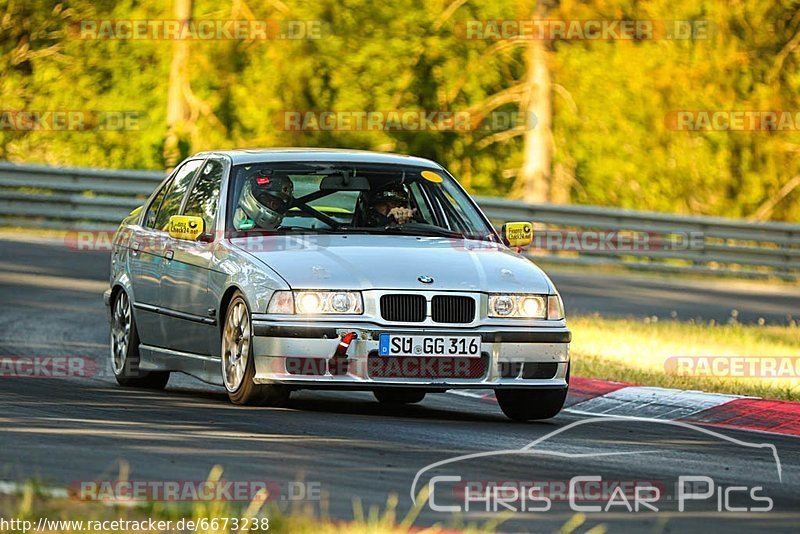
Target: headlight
[(518, 306), (502, 305), (316, 302), (308, 303)]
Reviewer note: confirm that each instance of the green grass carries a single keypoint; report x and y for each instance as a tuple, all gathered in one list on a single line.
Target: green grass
[(637, 352), (31, 503)]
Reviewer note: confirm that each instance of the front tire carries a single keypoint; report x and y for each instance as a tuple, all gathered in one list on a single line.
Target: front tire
[(399, 396), (238, 367), (531, 404), (125, 348)]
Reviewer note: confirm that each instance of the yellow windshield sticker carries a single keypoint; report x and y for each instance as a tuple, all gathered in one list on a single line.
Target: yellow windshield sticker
[(432, 177)]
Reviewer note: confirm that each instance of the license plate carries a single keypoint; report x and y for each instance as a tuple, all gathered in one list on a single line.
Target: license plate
[(395, 345)]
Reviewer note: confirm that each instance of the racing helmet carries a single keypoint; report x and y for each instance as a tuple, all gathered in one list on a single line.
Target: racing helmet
[(266, 198), (394, 192)]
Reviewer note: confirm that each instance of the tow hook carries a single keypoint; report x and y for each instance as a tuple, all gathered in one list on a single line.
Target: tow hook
[(338, 362)]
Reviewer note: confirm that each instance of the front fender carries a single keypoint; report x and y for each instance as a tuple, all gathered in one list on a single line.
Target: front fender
[(233, 267), (122, 281)]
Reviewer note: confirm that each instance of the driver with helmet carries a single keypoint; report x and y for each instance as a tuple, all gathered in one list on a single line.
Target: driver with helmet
[(264, 200), (389, 205)]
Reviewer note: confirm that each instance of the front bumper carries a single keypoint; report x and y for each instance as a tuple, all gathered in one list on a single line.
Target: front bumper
[(300, 355)]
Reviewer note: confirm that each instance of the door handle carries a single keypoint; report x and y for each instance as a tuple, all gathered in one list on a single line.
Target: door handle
[(169, 255), (135, 246)]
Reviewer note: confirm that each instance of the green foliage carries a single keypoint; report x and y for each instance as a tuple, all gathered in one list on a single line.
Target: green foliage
[(612, 145)]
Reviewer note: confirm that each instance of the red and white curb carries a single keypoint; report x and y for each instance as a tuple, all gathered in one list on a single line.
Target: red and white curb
[(589, 396)]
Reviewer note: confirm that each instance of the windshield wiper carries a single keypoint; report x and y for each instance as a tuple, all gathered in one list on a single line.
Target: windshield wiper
[(300, 229), (421, 229)]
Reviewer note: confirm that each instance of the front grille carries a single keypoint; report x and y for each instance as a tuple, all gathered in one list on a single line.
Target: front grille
[(426, 367), (403, 308), (452, 309)]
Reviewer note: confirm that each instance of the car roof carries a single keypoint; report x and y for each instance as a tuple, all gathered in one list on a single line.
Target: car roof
[(260, 155)]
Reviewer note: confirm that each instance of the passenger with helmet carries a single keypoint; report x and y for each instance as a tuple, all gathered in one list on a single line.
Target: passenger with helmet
[(389, 205), (263, 202)]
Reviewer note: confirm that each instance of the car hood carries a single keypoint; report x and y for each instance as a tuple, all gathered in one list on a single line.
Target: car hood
[(357, 261)]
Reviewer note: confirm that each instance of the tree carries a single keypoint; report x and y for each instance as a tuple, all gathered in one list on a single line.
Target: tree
[(533, 181), (176, 144)]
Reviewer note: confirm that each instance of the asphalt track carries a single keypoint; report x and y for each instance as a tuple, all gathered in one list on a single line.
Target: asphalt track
[(61, 431)]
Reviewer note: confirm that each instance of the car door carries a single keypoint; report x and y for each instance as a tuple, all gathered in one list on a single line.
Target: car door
[(146, 263), (144, 267), (189, 309)]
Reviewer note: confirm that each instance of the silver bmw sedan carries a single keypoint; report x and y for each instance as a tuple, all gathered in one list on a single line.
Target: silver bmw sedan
[(268, 271)]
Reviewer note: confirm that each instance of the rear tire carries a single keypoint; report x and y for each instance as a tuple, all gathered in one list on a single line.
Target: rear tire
[(238, 367), (531, 404), (125, 348), (399, 396)]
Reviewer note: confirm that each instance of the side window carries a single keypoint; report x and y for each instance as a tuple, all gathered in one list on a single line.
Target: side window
[(462, 219), (174, 196), (421, 202), (152, 210), (204, 197)]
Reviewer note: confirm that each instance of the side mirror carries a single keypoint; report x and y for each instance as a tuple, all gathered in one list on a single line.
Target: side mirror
[(517, 234), (186, 227)]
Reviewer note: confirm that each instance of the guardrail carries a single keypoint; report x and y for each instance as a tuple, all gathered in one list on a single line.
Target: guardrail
[(77, 198), (667, 243)]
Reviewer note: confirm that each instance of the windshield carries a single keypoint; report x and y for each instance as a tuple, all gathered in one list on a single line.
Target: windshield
[(358, 198)]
